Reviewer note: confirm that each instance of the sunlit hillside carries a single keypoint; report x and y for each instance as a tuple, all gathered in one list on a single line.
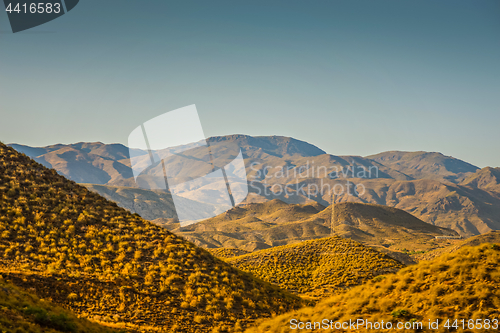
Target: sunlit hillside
[(317, 267), (254, 226), (259, 226), (74, 247), (461, 285), (222, 252)]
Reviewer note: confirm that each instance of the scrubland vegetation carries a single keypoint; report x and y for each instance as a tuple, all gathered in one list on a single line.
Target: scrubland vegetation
[(223, 252), (318, 266), (74, 247), (21, 312), (461, 285), (68, 246)]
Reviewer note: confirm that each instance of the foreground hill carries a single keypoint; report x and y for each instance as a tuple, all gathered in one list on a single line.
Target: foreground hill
[(263, 225), (22, 312), (462, 285), (317, 267), (73, 246)]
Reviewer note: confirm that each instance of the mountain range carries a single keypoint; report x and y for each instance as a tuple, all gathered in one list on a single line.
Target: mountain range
[(64, 245), (438, 189)]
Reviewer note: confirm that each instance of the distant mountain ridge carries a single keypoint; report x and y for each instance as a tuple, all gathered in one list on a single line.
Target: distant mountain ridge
[(272, 145), (428, 165), (438, 189), (99, 163), (83, 162)]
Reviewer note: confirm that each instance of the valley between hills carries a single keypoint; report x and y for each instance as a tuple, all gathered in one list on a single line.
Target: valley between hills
[(107, 256)]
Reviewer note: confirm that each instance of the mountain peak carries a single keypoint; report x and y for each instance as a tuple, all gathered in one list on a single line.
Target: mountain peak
[(272, 145)]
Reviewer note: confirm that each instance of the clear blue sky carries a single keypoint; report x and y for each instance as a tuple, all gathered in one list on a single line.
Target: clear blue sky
[(352, 77)]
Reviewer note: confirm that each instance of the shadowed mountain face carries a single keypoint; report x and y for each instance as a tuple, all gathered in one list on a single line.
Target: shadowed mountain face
[(438, 189), (467, 209)]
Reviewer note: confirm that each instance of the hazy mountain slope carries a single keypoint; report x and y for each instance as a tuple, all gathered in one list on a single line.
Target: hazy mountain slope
[(487, 179), (23, 312), (149, 204), (273, 145), (464, 285), (274, 223), (84, 252), (83, 162), (317, 267), (467, 210), (428, 165)]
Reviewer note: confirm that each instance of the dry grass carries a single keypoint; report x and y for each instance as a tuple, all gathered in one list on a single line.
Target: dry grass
[(461, 285), (317, 267), (21, 312), (103, 263)]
